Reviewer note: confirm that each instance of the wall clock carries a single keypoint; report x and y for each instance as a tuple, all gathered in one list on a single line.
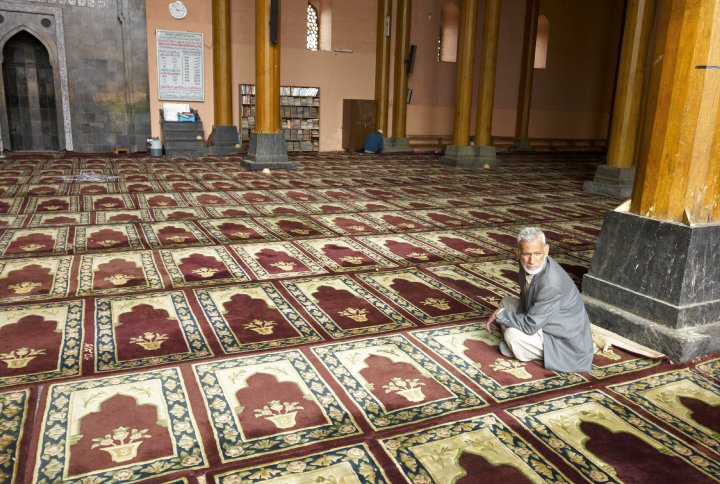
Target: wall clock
[(178, 10)]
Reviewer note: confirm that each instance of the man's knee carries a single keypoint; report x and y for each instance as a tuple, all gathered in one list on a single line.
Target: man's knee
[(525, 347)]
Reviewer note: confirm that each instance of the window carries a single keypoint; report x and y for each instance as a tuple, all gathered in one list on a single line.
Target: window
[(313, 28), (449, 32), (541, 42)]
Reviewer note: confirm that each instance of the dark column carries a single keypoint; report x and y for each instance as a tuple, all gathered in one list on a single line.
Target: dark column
[(616, 177), (460, 153), (224, 136), (655, 274), (399, 142), (522, 121), (267, 145)]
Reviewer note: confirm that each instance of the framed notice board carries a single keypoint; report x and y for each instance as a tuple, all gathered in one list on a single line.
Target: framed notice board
[(180, 66)]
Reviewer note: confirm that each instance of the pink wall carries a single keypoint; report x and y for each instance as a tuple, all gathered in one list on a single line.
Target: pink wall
[(571, 97)]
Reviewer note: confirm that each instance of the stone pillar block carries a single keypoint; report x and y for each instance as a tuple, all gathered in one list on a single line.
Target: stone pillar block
[(613, 181), (223, 140), (657, 283), (397, 145), (267, 150)]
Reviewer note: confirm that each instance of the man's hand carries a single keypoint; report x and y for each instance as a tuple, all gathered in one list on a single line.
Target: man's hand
[(492, 321)]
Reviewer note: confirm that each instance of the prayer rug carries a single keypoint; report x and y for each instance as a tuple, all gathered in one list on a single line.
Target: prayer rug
[(14, 221), (472, 286), (597, 435), (106, 237), (179, 233), (339, 194), (108, 202), (119, 272), (160, 200), (146, 330), (25, 242), (424, 204), (585, 255), (682, 399), (139, 184), (348, 224), (459, 246), (343, 254), (404, 249), (485, 216), (41, 189), (232, 211), (67, 218), (231, 230), (442, 218), (181, 186), (281, 208), (300, 195), (426, 298), (373, 205), (276, 260), (122, 216), (203, 199), (466, 451), (399, 221), (343, 307), (201, 265), (39, 342), (504, 273), (473, 351), (566, 240), (256, 196), (128, 427), (710, 369), (588, 228), (52, 204), (253, 317), (267, 403), (36, 278), (393, 382), (339, 465), (14, 408), (330, 207), (185, 213), (294, 227)]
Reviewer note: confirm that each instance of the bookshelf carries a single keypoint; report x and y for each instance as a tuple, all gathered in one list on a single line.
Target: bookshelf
[(299, 116)]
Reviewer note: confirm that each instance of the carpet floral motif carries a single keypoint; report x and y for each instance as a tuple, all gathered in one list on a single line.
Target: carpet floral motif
[(295, 407), (394, 382), (148, 429)]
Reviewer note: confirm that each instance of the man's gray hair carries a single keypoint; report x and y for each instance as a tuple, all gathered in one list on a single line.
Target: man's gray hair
[(529, 234)]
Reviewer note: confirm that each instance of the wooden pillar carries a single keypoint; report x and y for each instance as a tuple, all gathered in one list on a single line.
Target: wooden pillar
[(267, 145), (655, 273), (465, 68), (484, 149), (382, 64), (679, 174), (224, 136), (222, 62), (460, 153), (522, 121), (267, 70), (616, 178), (399, 141)]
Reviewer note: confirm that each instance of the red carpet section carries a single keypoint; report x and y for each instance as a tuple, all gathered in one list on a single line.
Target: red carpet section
[(188, 321)]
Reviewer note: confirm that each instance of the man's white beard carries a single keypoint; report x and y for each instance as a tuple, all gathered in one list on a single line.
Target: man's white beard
[(532, 272)]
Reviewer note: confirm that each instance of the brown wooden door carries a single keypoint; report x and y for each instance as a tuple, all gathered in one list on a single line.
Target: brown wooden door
[(29, 95)]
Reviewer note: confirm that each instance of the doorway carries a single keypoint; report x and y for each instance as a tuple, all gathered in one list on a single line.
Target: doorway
[(29, 94)]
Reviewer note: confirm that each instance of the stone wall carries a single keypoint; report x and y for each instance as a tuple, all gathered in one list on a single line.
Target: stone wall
[(98, 49)]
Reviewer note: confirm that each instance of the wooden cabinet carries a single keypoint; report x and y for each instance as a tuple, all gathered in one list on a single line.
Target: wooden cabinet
[(358, 121)]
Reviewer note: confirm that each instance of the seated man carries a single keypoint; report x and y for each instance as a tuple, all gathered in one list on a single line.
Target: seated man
[(549, 321), (373, 142)]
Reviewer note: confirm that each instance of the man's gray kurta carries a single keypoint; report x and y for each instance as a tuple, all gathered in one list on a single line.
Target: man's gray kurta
[(552, 303)]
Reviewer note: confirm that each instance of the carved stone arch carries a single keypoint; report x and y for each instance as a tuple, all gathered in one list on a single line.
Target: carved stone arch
[(53, 40)]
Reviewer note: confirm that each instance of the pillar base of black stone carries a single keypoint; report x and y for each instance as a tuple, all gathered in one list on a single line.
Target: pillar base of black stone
[(223, 140), (609, 180), (657, 283), (521, 145), (267, 150), (397, 145), (459, 156)]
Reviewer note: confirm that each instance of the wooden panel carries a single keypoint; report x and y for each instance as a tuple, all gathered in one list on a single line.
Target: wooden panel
[(358, 121)]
